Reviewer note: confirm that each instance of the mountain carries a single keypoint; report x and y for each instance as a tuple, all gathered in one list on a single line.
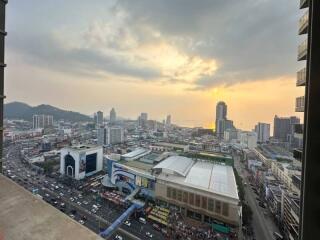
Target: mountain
[(19, 110)]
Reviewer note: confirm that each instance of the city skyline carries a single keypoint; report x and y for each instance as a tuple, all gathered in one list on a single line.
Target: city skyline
[(190, 52)]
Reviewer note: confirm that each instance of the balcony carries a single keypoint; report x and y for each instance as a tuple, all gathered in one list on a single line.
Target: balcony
[(303, 50), (303, 23), (300, 104), (304, 3), (301, 77)]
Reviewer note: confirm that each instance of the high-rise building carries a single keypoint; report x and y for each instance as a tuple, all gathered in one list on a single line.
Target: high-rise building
[(168, 120), (142, 119), (222, 123), (101, 136), (115, 135), (248, 139), (110, 135), (113, 116), (283, 128), (42, 121), (99, 119), (263, 132)]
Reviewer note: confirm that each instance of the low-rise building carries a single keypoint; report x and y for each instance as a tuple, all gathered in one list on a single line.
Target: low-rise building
[(199, 189)]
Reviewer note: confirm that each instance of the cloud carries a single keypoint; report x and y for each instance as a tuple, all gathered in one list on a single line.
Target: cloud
[(252, 39), (202, 44)]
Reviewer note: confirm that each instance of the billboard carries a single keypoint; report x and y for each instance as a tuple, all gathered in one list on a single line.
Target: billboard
[(82, 162)]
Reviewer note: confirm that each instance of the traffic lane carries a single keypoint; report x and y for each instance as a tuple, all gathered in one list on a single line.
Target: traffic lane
[(260, 226), (31, 184)]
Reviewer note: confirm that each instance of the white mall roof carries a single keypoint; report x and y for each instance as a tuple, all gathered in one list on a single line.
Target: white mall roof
[(177, 164), (202, 175)]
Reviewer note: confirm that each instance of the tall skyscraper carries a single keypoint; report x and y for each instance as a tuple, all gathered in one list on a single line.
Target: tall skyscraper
[(142, 119), (222, 123), (168, 120), (263, 132), (110, 135), (42, 121), (113, 116), (99, 118), (283, 128)]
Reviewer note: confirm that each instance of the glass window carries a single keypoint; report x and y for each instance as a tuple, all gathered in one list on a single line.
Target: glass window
[(185, 197), (197, 200), (218, 207), (174, 193), (191, 198), (210, 204), (179, 192), (204, 203), (225, 209), (168, 192)]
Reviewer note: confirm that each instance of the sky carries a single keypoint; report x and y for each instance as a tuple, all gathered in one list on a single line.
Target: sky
[(177, 57)]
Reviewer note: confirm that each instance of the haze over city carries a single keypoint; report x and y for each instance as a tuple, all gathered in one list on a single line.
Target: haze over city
[(164, 57)]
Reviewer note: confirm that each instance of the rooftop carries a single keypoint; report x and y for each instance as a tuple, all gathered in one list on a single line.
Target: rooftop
[(177, 164), (203, 175), (24, 216), (138, 152), (83, 147)]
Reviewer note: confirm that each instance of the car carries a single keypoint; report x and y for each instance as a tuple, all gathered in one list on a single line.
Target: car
[(79, 203), (71, 215), (72, 199), (47, 195), (156, 226), (148, 234), (93, 210), (127, 223), (85, 202), (61, 194), (142, 220), (81, 221), (118, 237)]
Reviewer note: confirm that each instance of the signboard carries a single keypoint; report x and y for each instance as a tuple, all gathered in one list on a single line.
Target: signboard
[(82, 162)]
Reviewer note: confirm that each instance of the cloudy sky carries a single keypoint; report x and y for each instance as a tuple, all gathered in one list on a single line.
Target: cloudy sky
[(157, 56)]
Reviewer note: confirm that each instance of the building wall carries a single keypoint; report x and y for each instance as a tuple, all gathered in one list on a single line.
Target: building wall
[(218, 207), (76, 156)]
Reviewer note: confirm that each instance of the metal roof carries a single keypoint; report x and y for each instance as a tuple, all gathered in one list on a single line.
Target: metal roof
[(204, 175), (178, 164)]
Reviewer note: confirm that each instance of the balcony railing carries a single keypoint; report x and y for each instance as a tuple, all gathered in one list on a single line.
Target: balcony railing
[(303, 23), (304, 3), (301, 77), (303, 50), (300, 104)]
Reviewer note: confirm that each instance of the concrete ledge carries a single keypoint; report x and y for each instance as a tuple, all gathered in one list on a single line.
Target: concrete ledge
[(24, 217)]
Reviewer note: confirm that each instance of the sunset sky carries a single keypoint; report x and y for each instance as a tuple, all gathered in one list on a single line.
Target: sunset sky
[(177, 57)]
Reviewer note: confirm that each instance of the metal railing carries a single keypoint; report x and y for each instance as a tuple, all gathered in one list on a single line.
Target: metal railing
[(303, 50), (301, 77), (303, 23)]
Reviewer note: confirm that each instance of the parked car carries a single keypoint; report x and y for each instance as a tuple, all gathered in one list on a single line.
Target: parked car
[(148, 234), (127, 223)]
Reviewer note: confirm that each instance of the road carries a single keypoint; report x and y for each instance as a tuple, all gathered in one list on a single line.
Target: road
[(262, 223), (73, 202)]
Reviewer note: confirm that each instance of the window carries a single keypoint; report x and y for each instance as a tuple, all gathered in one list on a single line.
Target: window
[(210, 204), (191, 198), (179, 192), (218, 207), (168, 192), (197, 200), (204, 203), (174, 193), (225, 209), (185, 197)]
